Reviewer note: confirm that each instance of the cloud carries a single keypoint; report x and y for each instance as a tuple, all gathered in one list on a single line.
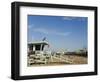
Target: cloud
[(31, 26), (68, 18), (51, 32), (62, 34), (42, 30), (74, 18)]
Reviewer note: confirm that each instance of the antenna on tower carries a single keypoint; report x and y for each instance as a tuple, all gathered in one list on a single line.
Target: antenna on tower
[(44, 39)]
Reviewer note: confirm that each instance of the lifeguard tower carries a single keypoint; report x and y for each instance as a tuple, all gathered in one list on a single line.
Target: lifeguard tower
[(36, 53)]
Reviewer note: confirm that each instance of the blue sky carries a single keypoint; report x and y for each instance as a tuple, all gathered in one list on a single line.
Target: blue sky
[(62, 32)]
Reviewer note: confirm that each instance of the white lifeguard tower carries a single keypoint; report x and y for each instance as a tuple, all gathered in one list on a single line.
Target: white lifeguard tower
[(36, 53)]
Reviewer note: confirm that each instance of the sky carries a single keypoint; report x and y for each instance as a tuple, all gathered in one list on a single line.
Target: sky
[(62, 32)]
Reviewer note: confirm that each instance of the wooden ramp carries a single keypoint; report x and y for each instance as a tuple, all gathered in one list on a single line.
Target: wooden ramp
[(41, 59), (61, 59)]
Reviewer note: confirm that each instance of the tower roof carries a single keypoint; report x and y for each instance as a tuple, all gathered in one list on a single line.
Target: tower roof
[(38, 42)]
